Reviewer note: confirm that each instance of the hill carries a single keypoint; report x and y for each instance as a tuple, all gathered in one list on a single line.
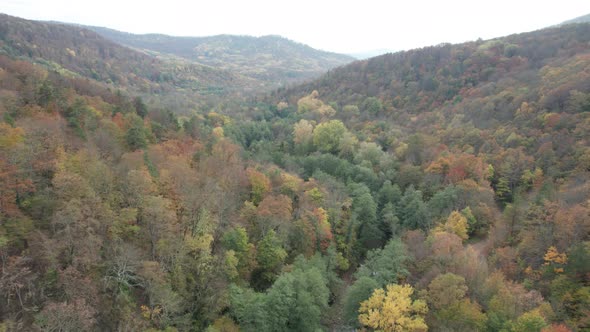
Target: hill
[(580, 19), (443, 182), (498, 127), (79, 51), (274, 60)]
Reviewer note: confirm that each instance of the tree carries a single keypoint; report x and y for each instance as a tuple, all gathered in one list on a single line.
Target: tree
[(303, 136), (531, 321), (140, 107), (260, 185), (135, 136), (372, 105), (274, 212), (360, 291), (67, 317), (413, 213), (393, 310), (364, 215), (296, 301), (248, 308), (312, 104), (270, 256), (446, 290), (451, 310), (387, 265), (457, 224), (327, 136)]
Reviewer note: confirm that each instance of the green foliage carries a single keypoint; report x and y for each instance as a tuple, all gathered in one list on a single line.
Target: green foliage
[(372, 105), (443, 202), (360, 291), (413, 213), (135, 136), (529, 322), (95, 235), (327, 136), (364, 216), (295, 302), (387, 265), (270, 256)]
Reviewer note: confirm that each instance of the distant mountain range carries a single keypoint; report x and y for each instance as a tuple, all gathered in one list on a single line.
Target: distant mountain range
[(273, 60), (73, 50), (208, 66)]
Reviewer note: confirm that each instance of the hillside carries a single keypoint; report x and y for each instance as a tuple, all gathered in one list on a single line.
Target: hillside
[(580, 19), (496, 130), (443, 189), (274, 60), (79, 51)]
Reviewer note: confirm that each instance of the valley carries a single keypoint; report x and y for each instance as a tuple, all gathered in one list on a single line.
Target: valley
[(236, 183)]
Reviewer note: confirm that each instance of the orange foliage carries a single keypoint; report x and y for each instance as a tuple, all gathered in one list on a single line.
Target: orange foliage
[(275, 207), (458, 167)]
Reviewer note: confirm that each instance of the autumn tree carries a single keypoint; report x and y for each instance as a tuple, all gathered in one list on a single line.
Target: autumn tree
[(393, 309), (450, 308), (259, 183), (303, 136)]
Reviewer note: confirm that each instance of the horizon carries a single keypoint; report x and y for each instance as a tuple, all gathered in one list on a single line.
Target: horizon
[(364, 35)]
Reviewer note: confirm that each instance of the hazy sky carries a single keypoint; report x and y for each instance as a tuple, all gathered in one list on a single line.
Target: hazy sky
[(344, 26)]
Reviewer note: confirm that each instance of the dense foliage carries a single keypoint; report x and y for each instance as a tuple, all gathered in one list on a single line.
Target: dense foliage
[(445, 189), (272, 60)]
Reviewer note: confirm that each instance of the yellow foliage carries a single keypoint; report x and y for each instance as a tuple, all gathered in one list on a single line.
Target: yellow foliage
[(457, 224), (9, 136), (290, 183), (150, 314), (313, 104), (553, 256), (218, 132), (199, 243), (224, 324), (393, 310)]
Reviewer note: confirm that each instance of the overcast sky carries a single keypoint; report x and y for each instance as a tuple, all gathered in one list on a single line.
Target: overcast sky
[(344, 26)]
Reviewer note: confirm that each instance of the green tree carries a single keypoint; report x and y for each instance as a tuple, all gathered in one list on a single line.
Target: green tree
[(372, 105), (297, 300), (531, 321), (413, 213), (140, 107), (270, 256), (387, 265), (364, 216), (135, 136), (327, 136), (360, 291)]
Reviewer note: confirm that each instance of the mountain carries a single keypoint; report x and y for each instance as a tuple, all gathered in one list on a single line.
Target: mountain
[(426, 185), (274, 60), (580, 19), (79, 51), (371, 53), (440, 77)]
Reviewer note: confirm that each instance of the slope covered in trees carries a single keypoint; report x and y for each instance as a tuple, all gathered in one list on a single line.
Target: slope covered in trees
[(273, 60), (75, 50), (445, 188)]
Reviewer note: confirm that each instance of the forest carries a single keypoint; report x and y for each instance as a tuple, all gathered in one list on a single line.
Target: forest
[(445, 188)]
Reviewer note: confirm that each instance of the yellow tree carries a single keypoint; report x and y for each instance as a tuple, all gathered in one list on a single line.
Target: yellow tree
[(393, 310), (457, 224)]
